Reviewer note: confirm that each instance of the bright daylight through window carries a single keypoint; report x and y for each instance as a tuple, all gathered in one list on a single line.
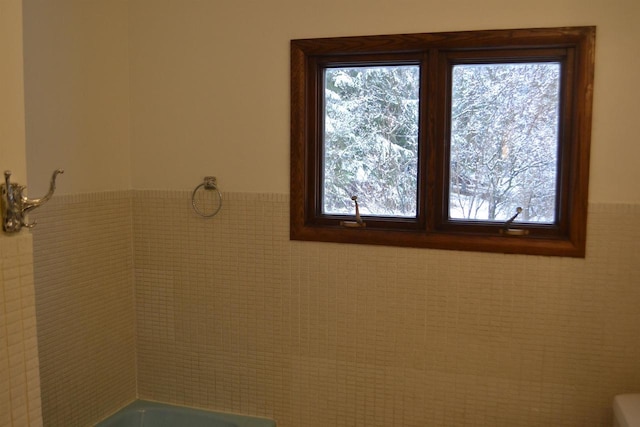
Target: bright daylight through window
[(371, 140), (504, 141), (468, 141)]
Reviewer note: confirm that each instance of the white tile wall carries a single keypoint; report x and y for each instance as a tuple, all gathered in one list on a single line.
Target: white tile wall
[(85, 306), (19, 380), (233, 316)]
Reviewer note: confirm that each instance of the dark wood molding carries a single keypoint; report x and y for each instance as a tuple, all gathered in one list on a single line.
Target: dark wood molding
[(574, 45)]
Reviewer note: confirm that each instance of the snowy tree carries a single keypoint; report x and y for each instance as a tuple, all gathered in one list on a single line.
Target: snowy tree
[(504, 133), (371, 139), (503, 142)]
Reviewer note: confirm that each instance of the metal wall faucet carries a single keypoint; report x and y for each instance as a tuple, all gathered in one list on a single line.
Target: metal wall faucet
[(15, 205)]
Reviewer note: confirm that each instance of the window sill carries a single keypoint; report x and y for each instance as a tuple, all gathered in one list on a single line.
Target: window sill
[(525, 245)]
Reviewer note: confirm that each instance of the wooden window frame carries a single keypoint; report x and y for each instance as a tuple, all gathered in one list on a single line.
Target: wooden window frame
[(574, 47)]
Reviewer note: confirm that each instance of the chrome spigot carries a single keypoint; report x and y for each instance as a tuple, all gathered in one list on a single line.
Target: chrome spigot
[(15, 205)]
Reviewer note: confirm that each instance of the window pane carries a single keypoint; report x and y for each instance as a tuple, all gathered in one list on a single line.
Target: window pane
[(504, 141), (371, 140)]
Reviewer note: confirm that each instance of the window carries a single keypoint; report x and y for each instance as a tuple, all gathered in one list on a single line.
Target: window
[(467, 141)]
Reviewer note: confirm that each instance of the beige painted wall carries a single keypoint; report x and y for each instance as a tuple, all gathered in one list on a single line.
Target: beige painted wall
[(19, 378), (12, 149), (145, 94), (210, 94), (77, 94)]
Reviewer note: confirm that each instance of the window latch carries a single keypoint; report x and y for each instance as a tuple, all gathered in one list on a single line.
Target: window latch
[(507, 230), (358, 223)]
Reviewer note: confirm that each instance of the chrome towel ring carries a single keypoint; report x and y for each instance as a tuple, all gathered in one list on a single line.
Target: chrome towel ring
[(209, 184)]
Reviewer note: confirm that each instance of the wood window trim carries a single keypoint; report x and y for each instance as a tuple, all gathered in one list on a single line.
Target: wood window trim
[(430, 229)]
